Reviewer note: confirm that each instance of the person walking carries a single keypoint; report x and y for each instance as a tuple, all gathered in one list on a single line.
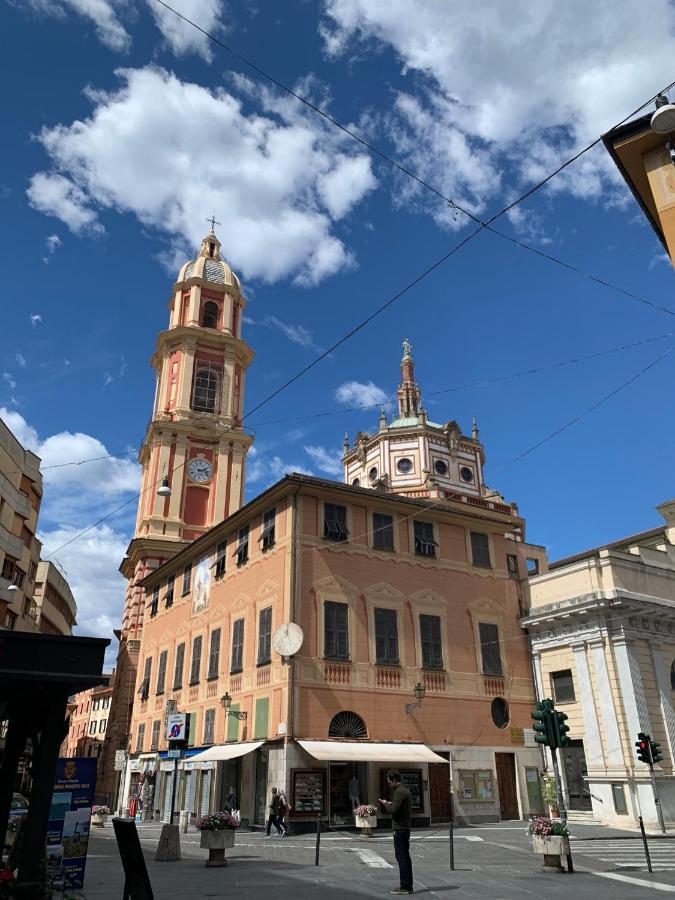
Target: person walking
[(400, 808), (273, 817), (284, 809)]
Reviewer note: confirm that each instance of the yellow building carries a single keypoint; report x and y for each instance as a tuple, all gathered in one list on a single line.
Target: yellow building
[(602, 632), (56, 607)]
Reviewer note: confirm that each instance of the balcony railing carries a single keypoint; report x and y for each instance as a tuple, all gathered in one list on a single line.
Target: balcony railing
[(494, 685), (434, 681), (336, 672), (387, 677)]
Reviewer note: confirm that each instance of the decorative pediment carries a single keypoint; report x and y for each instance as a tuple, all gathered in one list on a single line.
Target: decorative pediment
[(337, 585), (428, 597), (267, 587), (243, 601), (218, 614), (382, 590), (184, 628), (166, 638), (485, 606)]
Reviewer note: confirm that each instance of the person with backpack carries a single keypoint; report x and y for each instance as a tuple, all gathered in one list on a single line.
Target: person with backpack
[(273, 817), (284, 809)]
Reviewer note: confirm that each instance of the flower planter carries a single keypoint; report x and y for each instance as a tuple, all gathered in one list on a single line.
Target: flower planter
[(217, 842), (366, 824), (99, 819), (552, 848)]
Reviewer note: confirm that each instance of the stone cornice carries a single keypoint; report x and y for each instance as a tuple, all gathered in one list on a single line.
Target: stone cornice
[(193, 336)]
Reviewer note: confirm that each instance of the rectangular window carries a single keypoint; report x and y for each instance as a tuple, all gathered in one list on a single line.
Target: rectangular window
[(154, 740), (92, 728), (265, 636), (489, 648), (169, 590), (512, 564), (209, 725), (336, 630), (196, 659), (386, 637), (430, 635), (236, 664), (140, 738), (144, 688), (562, 686), (335, 522), (241, 552), (425, 545), (532, 566), (206, 387), (480, 550), (101, 726), (267, 533), (475, 785), (214, 654), (220, 559), (154, 603), (178, 668), (8, 568), (383, 532), (10, 620), (187, 578), (619, 796), (161, 671)]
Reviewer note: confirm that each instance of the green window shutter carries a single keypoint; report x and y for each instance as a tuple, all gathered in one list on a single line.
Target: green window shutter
[(262, 711), (233, 724)]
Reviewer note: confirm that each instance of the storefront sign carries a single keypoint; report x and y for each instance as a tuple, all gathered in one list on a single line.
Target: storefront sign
[(69, 820), (175, 727), (309, 791), (120, 760)]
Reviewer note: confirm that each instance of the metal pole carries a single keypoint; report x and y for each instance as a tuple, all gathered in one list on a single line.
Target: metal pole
[(318, 838), (644, 841), (173, 790), (657, 802), (451, 837), (561, 801)]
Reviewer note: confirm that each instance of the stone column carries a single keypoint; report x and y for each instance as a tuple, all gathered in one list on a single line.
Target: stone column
[(593, 743), (186, 374), (612, 747), (631, 686), (663, 684)]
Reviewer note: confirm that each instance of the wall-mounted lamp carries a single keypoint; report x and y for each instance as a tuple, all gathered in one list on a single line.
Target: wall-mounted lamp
[(419, 691), (226, 703), (164, 490)]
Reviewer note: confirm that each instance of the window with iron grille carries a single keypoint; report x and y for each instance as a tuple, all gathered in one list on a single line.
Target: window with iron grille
[(512, 564), (169, 590), (267, 533), (178, 668), (430, 635), (196, 659), (265, 636), (425, 545), (383, 532), (241, 551), (386, 637), (480, 550), (237, 647), (335, 522), (336, 630), (220, 558), (490, 649), (144, 688), (154, 603), (214, 654), (161, 671), (206, 387), (140, 737), (187, 578), (154, 740), (209, 725)]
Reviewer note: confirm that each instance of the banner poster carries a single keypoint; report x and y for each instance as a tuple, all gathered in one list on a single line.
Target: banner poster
[(69, 820)]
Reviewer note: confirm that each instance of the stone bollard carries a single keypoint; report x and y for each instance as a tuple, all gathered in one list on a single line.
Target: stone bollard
[(184, 820)]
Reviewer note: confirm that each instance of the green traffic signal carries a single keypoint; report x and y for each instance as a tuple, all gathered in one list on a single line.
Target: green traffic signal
[(656, 753), (560, 729), (543, 725)]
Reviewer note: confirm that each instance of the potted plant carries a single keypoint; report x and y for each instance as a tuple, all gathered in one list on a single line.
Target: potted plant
[(550, 838), (217, 834), (99, 815), (365, 817), (549, 795)]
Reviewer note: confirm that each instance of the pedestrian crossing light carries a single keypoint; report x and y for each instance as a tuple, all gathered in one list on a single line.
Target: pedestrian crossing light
[(655, 749), (543, 726), (560, 729), (644, 748)]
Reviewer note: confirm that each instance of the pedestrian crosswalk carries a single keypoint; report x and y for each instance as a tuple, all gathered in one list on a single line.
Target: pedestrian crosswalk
[(628, 853)]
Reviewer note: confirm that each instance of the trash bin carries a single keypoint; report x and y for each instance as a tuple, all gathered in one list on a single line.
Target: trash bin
[(184, 820)]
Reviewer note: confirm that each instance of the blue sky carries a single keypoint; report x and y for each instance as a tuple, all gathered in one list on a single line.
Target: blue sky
[(127, 129)]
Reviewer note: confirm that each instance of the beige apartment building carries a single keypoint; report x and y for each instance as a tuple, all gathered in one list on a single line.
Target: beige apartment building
[(602, 632), (20, 498), (54, 601)]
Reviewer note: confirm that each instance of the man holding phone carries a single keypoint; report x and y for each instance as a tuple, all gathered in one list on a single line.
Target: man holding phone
[(400, 808)]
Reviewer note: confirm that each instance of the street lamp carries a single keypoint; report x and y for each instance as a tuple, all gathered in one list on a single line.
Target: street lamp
[(164, 490), (226, 703), (419, 691)]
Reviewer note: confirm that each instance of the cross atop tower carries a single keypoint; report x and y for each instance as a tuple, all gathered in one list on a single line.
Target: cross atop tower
[(214, 221)]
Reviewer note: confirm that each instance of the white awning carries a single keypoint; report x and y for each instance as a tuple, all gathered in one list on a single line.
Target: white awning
[(225, 751), (365, 751)]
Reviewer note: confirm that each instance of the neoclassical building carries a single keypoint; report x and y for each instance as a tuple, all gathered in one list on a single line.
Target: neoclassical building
[(602, 629), (324, 631)]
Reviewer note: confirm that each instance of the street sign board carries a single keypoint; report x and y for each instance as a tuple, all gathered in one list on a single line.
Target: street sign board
[(175, 727), (173, 754), (120, 760)]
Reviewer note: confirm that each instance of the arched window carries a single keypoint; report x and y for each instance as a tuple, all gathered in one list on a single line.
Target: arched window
[(672, 675), (347, 725), (205, 391), (210, 315)]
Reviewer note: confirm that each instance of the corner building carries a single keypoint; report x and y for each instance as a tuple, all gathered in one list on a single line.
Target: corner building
[(408, 576)]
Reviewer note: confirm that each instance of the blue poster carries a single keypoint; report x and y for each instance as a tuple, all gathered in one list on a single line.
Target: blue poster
[(69, 821)]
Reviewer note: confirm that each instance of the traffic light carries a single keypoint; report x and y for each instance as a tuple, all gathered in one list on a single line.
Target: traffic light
[(655, 750), (560, 729), (644, 748), (543, 726)]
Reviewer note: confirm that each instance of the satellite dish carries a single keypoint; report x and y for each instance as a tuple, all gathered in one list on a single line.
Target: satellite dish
[(288, 639), (663, 120)]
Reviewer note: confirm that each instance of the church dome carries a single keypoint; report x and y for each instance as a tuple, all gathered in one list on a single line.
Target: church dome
[(208, 265)]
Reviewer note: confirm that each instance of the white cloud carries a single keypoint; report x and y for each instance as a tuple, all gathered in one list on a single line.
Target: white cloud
[(298, 334), (325, 460), (359, 393), (103, 14), (276, 175), (658, 258), (35, 318), (263, 468), (7, 378), (182, 37), (20, 359), (494, 86), (53, 243)]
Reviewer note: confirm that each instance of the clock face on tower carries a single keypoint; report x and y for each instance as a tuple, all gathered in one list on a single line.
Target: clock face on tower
[(200, 470)]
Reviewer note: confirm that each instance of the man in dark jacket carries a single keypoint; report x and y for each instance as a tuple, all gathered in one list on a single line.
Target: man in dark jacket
[(400, 808)]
